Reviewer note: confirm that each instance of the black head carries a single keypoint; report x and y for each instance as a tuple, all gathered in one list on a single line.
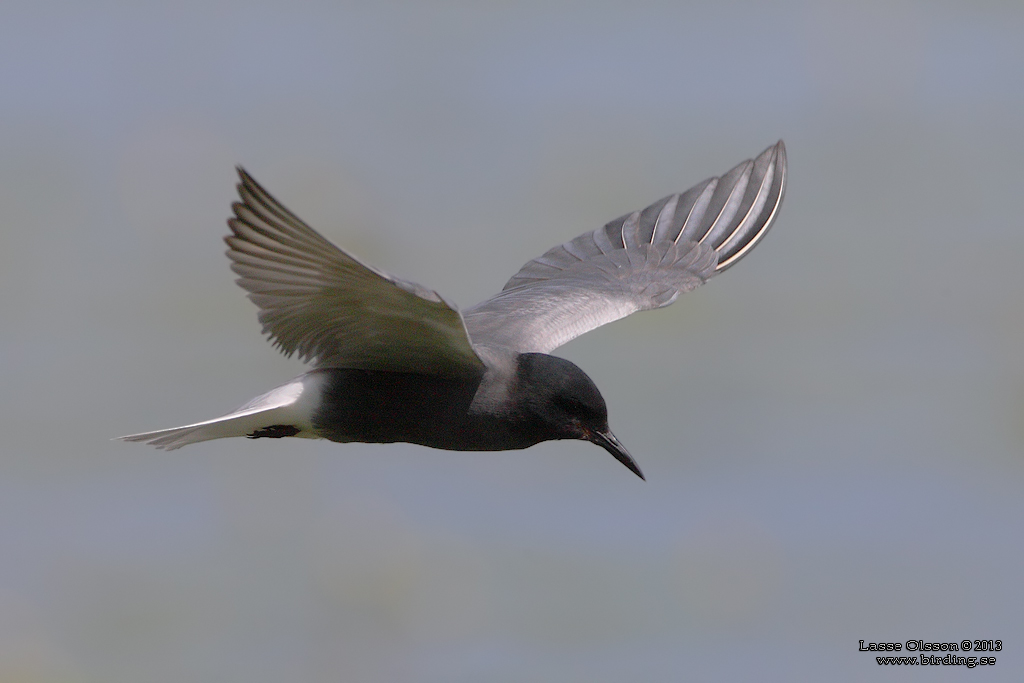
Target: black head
[(568, 403)]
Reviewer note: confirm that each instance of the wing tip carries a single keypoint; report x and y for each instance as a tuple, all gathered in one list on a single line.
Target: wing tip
[(247, 182), (777, 165)]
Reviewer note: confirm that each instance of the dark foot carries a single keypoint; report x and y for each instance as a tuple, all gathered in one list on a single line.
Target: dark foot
[(275, 432)]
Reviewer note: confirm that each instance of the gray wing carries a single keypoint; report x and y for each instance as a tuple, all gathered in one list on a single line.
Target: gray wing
[(324, 304), (640, 261)]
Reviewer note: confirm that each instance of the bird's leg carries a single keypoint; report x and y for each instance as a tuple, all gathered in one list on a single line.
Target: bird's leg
[(274, 432)]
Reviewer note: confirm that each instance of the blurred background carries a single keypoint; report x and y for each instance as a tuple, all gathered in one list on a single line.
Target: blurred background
[(832, 432)]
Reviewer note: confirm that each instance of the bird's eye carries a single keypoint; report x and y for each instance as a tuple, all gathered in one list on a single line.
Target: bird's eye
[(572, 405)]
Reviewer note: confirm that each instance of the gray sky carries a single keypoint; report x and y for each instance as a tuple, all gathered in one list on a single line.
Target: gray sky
[(832, 432)]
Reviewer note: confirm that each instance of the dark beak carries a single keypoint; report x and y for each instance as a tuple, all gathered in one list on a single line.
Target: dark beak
[(607, 441)]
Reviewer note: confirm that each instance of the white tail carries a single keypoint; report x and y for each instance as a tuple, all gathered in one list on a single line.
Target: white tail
[(292, 404)]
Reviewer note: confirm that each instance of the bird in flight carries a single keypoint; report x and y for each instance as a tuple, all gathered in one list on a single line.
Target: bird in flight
[(394, 362)]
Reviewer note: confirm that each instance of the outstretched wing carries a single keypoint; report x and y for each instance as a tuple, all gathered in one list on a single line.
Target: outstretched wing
[(640, 261), (333, 310)]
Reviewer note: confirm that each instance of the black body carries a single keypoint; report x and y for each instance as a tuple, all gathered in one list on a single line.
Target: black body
[(542, 401)]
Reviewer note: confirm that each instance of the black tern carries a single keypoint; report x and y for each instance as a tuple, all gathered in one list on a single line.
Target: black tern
[(395, 362)]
